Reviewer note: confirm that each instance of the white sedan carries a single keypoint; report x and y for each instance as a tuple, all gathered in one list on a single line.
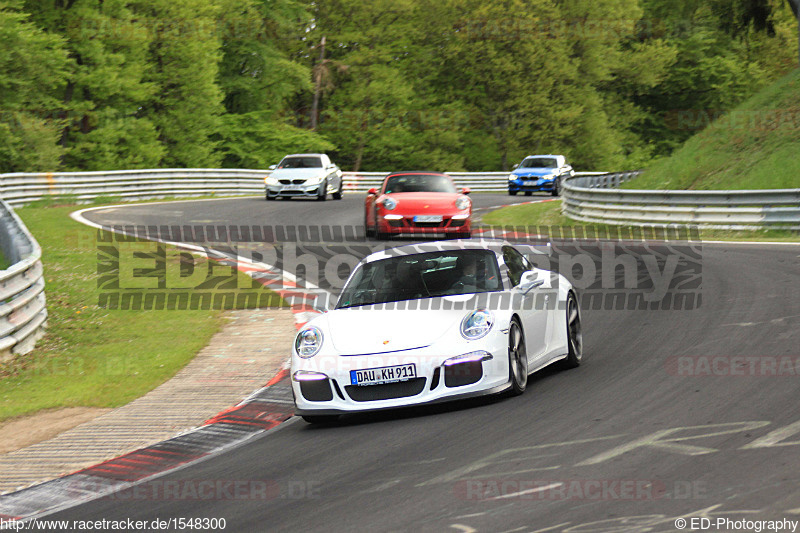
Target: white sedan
[(434, 322), (304, 175)]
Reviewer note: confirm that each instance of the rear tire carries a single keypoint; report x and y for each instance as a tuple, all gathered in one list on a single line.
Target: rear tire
[(574, 334), (517, 358)]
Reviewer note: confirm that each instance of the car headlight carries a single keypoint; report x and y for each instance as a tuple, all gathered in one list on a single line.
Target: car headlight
[(314, 181), (477, 324), (462, 202), (549, 177), (512, 177), (389, 203), (269, 180), (308, 342)]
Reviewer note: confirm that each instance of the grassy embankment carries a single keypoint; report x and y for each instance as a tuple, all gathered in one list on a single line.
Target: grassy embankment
[(99, 357), (755, 146)]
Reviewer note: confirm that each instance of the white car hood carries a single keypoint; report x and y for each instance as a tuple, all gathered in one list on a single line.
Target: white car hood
[(359, 331), (297, 173)]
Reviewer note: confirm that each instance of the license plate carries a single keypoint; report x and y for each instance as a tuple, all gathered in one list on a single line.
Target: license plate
[(529, 183), (428, 218), (386, 374), (292, 189)]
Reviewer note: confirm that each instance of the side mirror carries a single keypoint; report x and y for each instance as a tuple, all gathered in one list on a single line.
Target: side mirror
[(515, 166), (465, 190), (372, 192), (529, 280), (273, 167)]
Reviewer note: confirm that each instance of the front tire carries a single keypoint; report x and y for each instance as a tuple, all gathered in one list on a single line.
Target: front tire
[(574, 333), (517, 358), (512, 193), (368, 232), (338, 194), (556, 187), (322, 195)]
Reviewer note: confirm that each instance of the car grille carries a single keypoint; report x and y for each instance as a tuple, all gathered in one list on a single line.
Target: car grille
[(428, 224), (290, 182), (386, 391)]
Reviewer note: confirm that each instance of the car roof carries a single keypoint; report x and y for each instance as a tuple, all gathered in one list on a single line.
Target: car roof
[(493, 245), (302, 155), (543, 155)]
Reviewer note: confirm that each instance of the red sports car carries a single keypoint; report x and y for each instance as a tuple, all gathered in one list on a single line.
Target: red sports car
[(418, 203)]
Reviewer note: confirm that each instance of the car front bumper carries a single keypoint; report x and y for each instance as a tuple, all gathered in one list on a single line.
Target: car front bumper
[(406, 224), (293, 190), (531, 185), (435, 381)]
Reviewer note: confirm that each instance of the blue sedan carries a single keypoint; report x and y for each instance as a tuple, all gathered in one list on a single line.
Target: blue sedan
[(539, 173)]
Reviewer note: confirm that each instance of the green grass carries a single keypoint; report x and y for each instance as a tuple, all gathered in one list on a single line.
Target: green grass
[(92, 356), (549, 214), (755, 146)]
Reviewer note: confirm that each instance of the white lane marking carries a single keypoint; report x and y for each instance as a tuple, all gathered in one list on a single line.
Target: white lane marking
[(658, 441), (494, 459), (552, 528), (772, 321), (774, 438), (528, 491)]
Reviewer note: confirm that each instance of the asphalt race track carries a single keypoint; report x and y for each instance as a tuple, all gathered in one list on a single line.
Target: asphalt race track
[(684, 411)]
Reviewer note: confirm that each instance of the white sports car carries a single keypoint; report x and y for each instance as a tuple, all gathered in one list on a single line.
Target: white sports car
[(434, 322)]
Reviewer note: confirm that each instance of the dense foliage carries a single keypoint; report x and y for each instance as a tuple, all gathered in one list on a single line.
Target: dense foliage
[(435, 84)]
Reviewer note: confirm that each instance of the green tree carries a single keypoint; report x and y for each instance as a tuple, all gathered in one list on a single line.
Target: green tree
[(33, 68), (106, 89), (259, 80), (183, 61)]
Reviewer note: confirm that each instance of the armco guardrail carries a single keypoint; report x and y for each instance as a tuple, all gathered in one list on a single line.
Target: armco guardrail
[(23, 315), (21, 189), (587, 199)]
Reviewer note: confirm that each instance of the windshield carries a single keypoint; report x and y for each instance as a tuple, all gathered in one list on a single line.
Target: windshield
[(419, 183), (301, 162), (539, 162), (410, 277)]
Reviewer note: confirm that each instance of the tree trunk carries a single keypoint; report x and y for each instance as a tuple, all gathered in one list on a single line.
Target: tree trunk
[(317, 85)]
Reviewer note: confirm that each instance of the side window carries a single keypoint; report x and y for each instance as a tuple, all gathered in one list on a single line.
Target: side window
[(516, 264)]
